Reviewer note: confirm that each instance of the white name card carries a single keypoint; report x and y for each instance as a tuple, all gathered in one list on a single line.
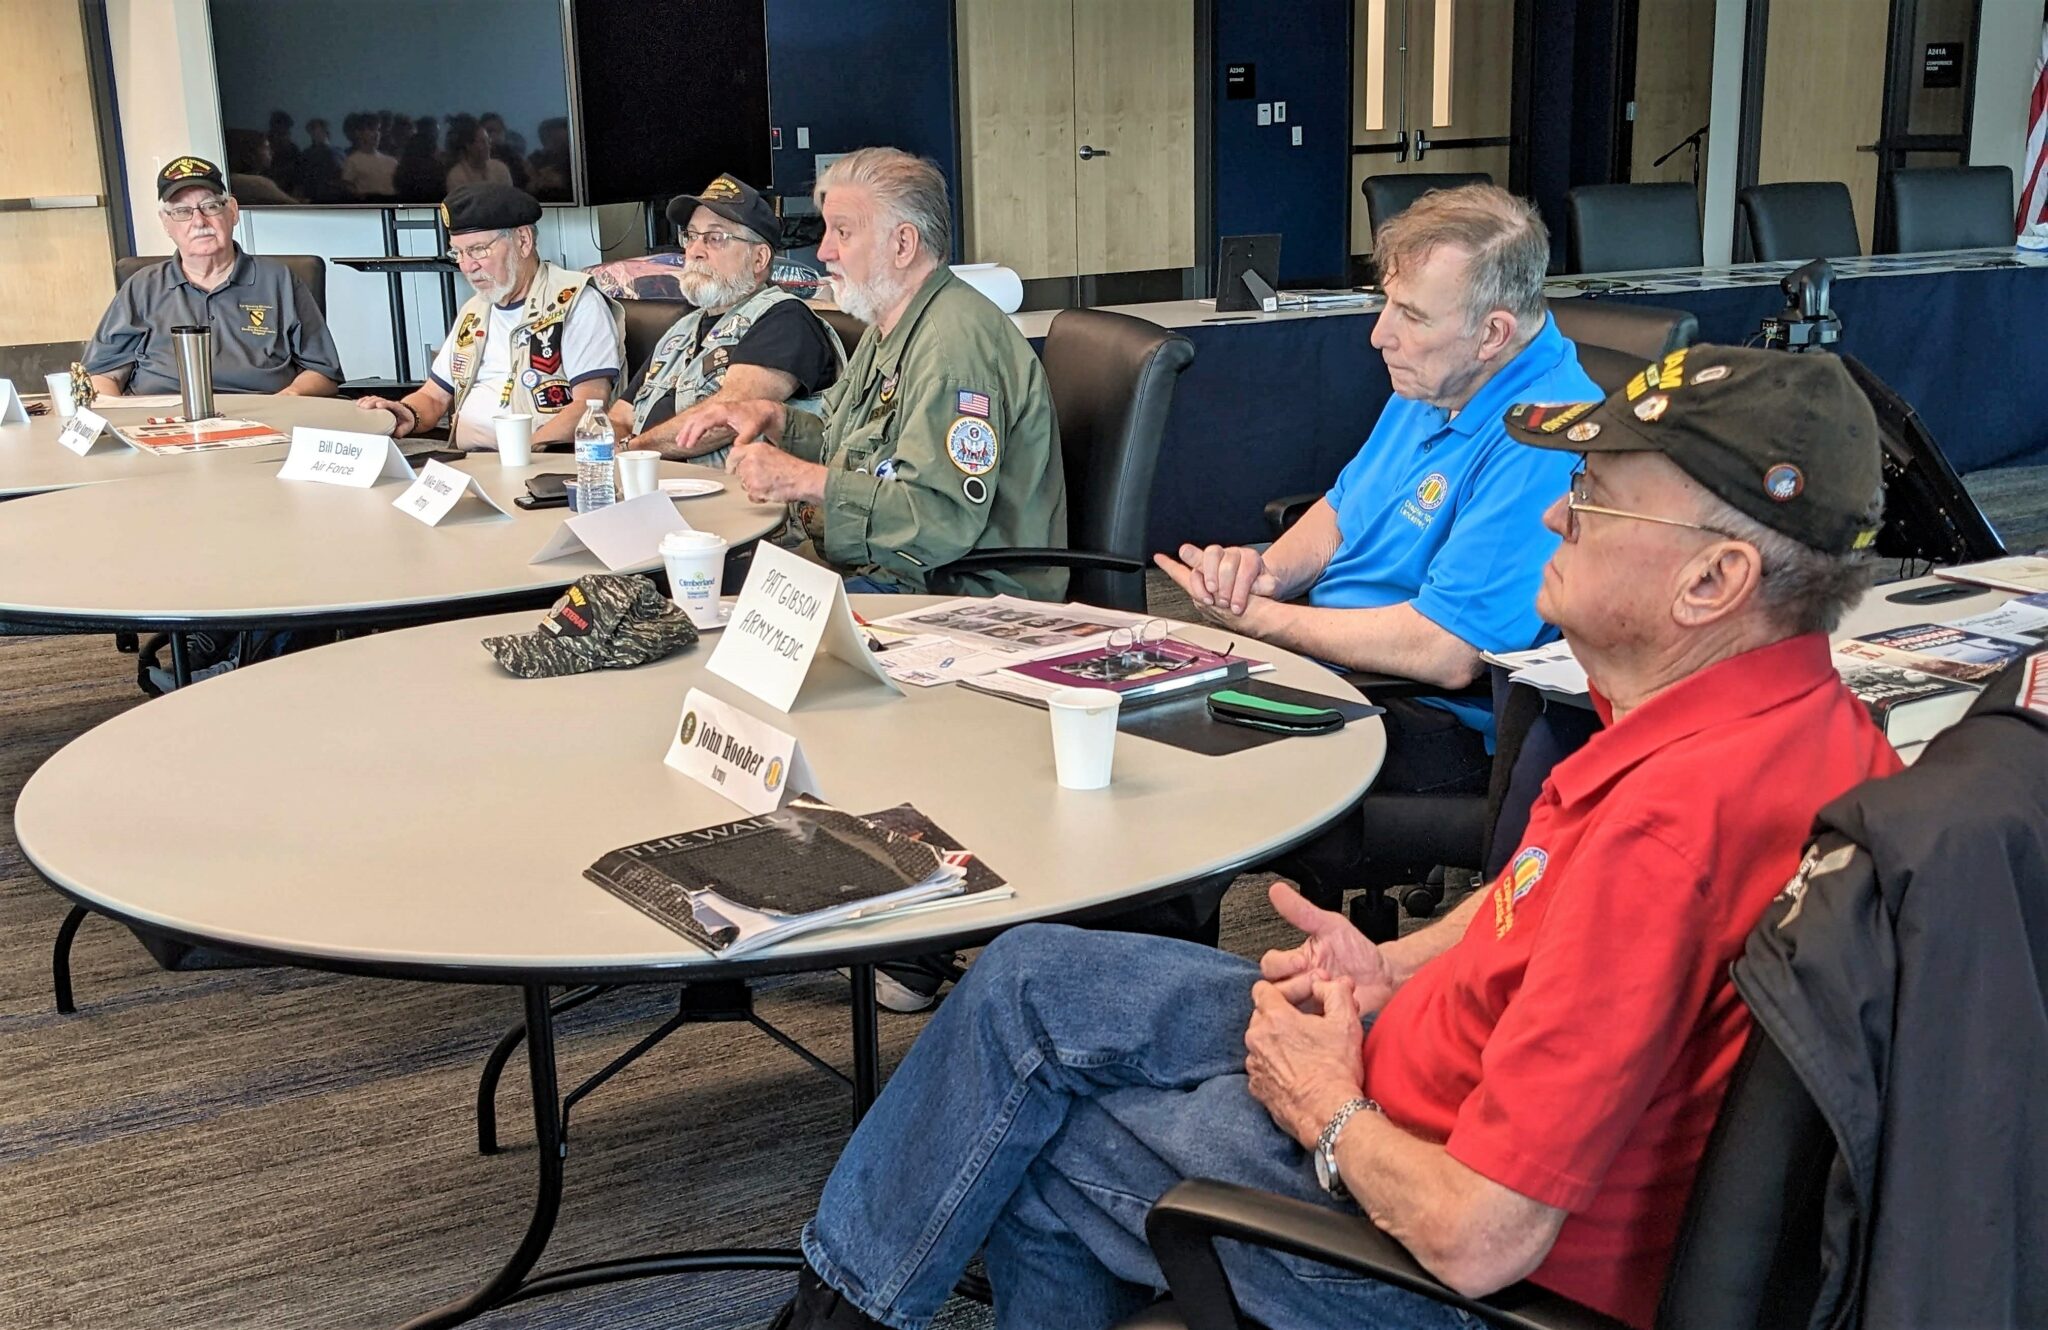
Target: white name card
[(87, 430), (12, 411), (438, 490), (343, 457), (789, 611), (624, 535), (742, 757)]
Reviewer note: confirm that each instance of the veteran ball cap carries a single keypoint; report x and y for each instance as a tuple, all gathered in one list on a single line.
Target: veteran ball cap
[(185, 172), (736, 201), (1785, 438), (487, 207), (603, 622)]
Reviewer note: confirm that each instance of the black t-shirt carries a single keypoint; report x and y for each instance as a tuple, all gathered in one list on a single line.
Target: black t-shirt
[(788, 337)]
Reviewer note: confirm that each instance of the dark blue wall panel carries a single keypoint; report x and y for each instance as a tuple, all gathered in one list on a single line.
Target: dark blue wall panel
[(1302, 51), (858, 74)]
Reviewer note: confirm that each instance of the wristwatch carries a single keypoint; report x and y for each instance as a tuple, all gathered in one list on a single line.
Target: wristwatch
[(1327, 1175)]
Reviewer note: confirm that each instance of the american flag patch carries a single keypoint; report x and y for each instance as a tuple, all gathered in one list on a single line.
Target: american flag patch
[(974, 404)]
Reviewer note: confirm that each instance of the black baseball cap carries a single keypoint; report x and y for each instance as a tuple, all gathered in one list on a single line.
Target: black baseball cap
[(488, 207), (184, 172), (1787, 439), (736, 201), (605, 621)]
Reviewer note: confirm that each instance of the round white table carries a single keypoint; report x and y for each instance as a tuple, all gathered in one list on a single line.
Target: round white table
[(235, 548), (289, 851), (31, 462)]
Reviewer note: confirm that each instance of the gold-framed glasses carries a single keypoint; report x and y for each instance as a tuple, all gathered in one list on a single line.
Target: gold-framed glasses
[(1575, 502), (475, 253), (1135, 643)]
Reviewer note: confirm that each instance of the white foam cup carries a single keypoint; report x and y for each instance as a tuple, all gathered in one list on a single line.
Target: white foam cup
[(696, 573), (1083, 735), (639, 472), (515, 440), (61, 399)]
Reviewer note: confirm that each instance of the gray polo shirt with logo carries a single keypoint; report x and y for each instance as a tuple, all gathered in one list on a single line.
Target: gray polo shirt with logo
[(267, 328)]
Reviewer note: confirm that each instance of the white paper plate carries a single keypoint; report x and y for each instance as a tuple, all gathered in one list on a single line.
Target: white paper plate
[(689, 487)]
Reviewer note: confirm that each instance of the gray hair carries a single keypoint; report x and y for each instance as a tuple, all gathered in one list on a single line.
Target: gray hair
[(1804, 589), (908, 189), (1509, 245)]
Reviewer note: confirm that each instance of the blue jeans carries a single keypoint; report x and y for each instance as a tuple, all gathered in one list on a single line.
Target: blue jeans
[(1066, 1084), (860, 582)]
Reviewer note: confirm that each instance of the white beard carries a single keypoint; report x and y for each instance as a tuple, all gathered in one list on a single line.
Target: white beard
[(866, 301), (706, 290)]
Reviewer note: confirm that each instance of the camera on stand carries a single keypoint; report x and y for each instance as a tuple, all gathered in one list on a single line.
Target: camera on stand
[(1806, 319)]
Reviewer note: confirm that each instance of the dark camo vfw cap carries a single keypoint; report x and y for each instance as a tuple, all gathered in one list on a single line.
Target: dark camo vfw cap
[(1787, 439), (603, 622)]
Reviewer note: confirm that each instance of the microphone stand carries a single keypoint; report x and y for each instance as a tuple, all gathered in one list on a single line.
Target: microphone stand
[(1693, 141)]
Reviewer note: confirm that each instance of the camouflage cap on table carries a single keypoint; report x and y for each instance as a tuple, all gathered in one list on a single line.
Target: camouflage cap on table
[(603, 622)]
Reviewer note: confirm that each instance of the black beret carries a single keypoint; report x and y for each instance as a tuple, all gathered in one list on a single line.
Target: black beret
[(488, 207)]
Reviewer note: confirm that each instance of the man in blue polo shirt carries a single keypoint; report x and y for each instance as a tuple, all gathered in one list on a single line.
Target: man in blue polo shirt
[(1429, 548)]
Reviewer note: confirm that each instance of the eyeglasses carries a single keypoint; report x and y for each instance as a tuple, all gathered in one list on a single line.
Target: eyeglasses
[(475, 253), (1575, 503), (1135, 644), (183, 212), (712, 239)]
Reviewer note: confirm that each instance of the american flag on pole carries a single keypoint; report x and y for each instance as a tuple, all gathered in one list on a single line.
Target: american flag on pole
[(2034, 176)]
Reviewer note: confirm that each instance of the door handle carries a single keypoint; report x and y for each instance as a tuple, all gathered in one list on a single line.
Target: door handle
[(1422, 145), (1089, 154)]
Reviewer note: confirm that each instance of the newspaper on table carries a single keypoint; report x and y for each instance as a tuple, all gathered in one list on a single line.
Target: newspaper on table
[(977, 635), (199, 436)]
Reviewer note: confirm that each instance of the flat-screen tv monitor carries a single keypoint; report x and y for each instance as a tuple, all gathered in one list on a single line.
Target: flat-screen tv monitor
[(393, 102)]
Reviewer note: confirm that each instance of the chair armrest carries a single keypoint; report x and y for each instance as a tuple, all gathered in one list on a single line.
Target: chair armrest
[(1373, 684), (1184, 1225), (1027, 557), (1284, 512)]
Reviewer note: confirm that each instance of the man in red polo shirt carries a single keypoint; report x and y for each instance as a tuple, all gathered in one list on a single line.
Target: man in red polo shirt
[(1542, 1066)]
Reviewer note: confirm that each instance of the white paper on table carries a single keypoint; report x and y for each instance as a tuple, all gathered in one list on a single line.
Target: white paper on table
[(1552, 668), (788, 613), (12, 409), (1013, 628), (927, 659), (2026, 617), (344, 457), (2023, 573), (439, 488), (623, 535), (143, 402)]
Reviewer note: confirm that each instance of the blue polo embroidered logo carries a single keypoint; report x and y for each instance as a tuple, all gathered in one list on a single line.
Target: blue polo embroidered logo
[(1521, 874), (1430, 493)]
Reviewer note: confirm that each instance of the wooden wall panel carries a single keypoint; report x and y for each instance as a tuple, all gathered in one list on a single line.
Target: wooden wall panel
[(1017, 163), (1823, 98), (1674, 85), (1134, 95), (56, 267)]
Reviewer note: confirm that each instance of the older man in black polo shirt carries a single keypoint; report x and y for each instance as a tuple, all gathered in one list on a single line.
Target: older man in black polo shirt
[(269, 335)]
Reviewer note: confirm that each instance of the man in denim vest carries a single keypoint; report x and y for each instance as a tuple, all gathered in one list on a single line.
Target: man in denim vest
[(747, 338)]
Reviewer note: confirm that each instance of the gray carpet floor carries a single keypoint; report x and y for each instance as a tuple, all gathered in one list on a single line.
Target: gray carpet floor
[(283, 1147), (288, 1148)]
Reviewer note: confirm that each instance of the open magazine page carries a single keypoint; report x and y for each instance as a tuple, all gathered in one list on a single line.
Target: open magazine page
[(1014, 629), (199, 436), (739, 886)]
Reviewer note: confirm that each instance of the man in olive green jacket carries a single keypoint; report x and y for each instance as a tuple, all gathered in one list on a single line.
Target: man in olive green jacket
[(940, 437)]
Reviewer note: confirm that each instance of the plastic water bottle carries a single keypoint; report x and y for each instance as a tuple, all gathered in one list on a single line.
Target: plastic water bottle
[(595, 488)]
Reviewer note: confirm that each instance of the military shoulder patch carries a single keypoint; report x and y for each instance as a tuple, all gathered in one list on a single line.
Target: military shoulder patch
[(971, 445), (973, 404)]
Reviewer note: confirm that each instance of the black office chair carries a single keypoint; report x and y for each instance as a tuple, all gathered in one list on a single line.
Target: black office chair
[(1626, 228), (1616, 339), (648, 319), (1802, 219), (1388, 196), (1748, 1257), (1950, 207), (1112, 380), (308, 268)]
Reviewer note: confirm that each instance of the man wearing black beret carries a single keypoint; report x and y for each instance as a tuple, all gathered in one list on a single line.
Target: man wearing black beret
[(535, 339), (748, 339)]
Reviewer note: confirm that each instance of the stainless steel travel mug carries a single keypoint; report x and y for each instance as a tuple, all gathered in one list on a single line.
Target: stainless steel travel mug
[(195, 370)]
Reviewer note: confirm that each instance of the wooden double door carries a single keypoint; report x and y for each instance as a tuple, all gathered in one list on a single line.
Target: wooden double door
[(1077, 135)]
